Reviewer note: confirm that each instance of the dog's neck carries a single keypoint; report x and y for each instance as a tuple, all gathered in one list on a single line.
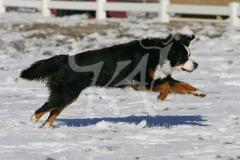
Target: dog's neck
[(162, 45), (164, 68)]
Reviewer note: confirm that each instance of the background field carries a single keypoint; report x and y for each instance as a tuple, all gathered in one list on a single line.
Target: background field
[(119, 124)]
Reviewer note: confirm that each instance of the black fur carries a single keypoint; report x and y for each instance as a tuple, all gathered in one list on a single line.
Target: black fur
[(42, 70)]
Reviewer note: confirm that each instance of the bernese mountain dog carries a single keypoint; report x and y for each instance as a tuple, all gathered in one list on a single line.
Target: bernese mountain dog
[(144, 65)]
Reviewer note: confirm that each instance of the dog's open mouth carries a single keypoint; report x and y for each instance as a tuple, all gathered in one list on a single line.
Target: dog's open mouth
[(186, 70)]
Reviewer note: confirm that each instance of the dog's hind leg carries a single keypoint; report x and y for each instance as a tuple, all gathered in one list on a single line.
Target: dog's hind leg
[(54, 108), (55, 105), (58, 101), (40, 112), (54, 113), (61, 95)]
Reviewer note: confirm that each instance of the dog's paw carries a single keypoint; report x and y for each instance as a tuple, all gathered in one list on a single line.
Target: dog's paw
[(199, 93), (162, 96), (159, 100), (34, 119), (46, 125)]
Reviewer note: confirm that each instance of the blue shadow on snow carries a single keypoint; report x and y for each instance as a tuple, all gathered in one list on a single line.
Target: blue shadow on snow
[(152, 121)]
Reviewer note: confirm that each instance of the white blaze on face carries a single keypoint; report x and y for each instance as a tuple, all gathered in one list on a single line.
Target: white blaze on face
[(188, 50), (188, 65)]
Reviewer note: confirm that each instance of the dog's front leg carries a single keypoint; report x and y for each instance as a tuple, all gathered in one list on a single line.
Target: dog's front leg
[(155, 86), (183, 88)]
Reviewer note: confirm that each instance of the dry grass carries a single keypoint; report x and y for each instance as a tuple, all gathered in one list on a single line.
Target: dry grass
[(72, 31)]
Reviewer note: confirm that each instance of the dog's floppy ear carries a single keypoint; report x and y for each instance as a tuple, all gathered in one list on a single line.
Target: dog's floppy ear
[(186, 39)]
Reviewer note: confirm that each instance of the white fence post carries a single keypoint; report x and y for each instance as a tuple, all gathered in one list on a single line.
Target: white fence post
[(45, 10), (234, 20), (2, 7), (163, 15), (100, 12)]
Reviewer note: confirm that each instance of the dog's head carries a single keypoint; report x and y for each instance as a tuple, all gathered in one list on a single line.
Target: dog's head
[(179, 54)]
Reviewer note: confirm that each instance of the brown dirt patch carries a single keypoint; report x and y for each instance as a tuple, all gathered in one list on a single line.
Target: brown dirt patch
[(72, 31)]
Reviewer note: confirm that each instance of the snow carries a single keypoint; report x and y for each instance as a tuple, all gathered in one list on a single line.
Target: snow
[(114, 123)]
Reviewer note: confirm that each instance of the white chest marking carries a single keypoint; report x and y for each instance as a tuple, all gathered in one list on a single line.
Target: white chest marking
[(164, 71)]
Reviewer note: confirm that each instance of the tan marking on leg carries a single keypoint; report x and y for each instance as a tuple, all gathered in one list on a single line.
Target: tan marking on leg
[(182, 88), (54, 113), (39, 115), (36, 116), (163, 88)]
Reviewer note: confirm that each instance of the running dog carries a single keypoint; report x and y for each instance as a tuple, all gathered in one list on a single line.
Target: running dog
[(145, 64)]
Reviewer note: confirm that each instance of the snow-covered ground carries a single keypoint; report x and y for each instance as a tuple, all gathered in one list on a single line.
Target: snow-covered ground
[(119, 124)]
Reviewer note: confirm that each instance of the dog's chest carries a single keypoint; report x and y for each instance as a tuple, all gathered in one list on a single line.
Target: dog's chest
[(163, 71)]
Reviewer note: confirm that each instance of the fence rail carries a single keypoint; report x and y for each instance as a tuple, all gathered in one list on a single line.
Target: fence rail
[(196, 9), (22, 3), (73, 5), (120, 6), (164, 8)]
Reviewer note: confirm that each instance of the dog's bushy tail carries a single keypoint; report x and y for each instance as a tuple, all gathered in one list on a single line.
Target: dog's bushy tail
[(42, 70)]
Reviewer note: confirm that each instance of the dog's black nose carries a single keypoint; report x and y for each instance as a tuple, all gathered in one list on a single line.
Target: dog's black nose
[(195, 65)]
